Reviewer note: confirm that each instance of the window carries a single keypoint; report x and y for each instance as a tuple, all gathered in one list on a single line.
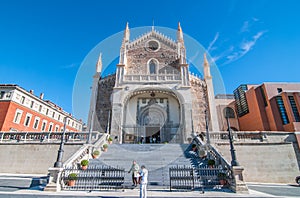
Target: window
[(8, 95), (294, 108), (56, 128), (279, 90), (152, 67), (31, 104), (53, 114), (282, 111), (18, 116), (2, 94), (36, 122), (144, 100), (58, 117), (47, 111), (241, 100), (44, 125), (161, 100), (22, 99), (27, 120), (40, 108), (50, 127), (228, 112)]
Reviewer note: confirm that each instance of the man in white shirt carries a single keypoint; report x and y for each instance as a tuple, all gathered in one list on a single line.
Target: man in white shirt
[(144, 182)]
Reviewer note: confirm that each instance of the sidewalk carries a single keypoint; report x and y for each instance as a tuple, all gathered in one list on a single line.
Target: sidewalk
[(135, 193)]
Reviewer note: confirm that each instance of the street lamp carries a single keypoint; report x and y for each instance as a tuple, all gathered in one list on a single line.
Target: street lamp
[(207, 128), (60, 152), (234, 161)]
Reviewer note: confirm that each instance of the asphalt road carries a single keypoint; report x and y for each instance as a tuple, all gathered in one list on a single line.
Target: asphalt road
[(280, 190)]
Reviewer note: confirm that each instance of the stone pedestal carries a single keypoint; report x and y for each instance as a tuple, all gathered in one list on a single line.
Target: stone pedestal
[(54, 179), (239, 186)]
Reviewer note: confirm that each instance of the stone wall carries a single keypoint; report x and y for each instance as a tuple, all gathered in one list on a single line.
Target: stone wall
[(103, 103), (32, 158), (199, 102), (138, 56), (265, 162)]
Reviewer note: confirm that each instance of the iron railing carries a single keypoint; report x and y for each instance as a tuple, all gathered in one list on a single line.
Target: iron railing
[(190, 178), (95, 177)]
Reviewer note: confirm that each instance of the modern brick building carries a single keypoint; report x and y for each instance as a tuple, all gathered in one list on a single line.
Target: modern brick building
[(21, 110), (268, 107)]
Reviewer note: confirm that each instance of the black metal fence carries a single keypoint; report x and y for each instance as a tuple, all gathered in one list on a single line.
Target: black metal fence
[(190, 178), (94, 178)]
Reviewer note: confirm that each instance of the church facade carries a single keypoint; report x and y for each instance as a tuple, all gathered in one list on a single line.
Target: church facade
[(152, 97)]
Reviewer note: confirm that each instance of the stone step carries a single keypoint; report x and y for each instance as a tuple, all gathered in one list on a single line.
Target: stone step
[(156, 157)]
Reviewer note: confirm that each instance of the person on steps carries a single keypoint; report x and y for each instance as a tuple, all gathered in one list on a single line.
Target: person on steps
[(135, 173)]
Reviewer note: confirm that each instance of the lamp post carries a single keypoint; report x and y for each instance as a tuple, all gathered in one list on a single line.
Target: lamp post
[(207, 128), (234, 161), (60, 152)]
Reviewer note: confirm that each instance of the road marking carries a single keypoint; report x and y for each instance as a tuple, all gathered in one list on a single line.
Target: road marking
[(271, 186)]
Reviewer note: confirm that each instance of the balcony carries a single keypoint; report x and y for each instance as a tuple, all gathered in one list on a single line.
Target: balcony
[(152, 78)]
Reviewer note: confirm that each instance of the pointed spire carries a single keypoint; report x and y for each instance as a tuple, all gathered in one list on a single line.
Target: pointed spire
[(152, 25), (126, 33), (205, 62), (99, 64), (179, 33), (206, 66)]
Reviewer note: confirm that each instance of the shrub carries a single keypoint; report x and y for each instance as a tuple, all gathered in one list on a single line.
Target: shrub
[(84, 162), (72, 176), (105, 146), (96, 152), (110, 139), (211, 162)]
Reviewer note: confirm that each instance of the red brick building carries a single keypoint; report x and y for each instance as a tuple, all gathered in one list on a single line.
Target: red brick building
[(268, 107), (21, 110)]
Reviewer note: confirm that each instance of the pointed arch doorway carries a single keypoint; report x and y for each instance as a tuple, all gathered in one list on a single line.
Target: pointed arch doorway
[(152, 118)]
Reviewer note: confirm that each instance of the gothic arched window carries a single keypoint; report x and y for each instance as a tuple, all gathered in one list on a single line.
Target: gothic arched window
[(152, 67), (229, 112)]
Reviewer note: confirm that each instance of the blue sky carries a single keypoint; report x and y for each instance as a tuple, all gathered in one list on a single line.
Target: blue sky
[(43, 43)]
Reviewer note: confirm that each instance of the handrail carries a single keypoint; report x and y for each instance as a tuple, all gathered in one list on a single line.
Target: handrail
[(84, 151), (221, 162)]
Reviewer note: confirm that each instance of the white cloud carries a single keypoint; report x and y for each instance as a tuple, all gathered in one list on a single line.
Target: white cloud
[(244, 48), (210, 46), (69, 66), (245, 27)]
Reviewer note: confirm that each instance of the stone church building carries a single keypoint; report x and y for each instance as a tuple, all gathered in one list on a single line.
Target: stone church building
[(152, 97)]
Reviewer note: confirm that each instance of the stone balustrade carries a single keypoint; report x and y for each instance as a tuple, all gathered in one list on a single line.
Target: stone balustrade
[(152, 77), (46, 137), (250, 136)]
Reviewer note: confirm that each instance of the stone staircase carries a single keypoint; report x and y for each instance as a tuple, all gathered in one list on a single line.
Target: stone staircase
[(156, 157)]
